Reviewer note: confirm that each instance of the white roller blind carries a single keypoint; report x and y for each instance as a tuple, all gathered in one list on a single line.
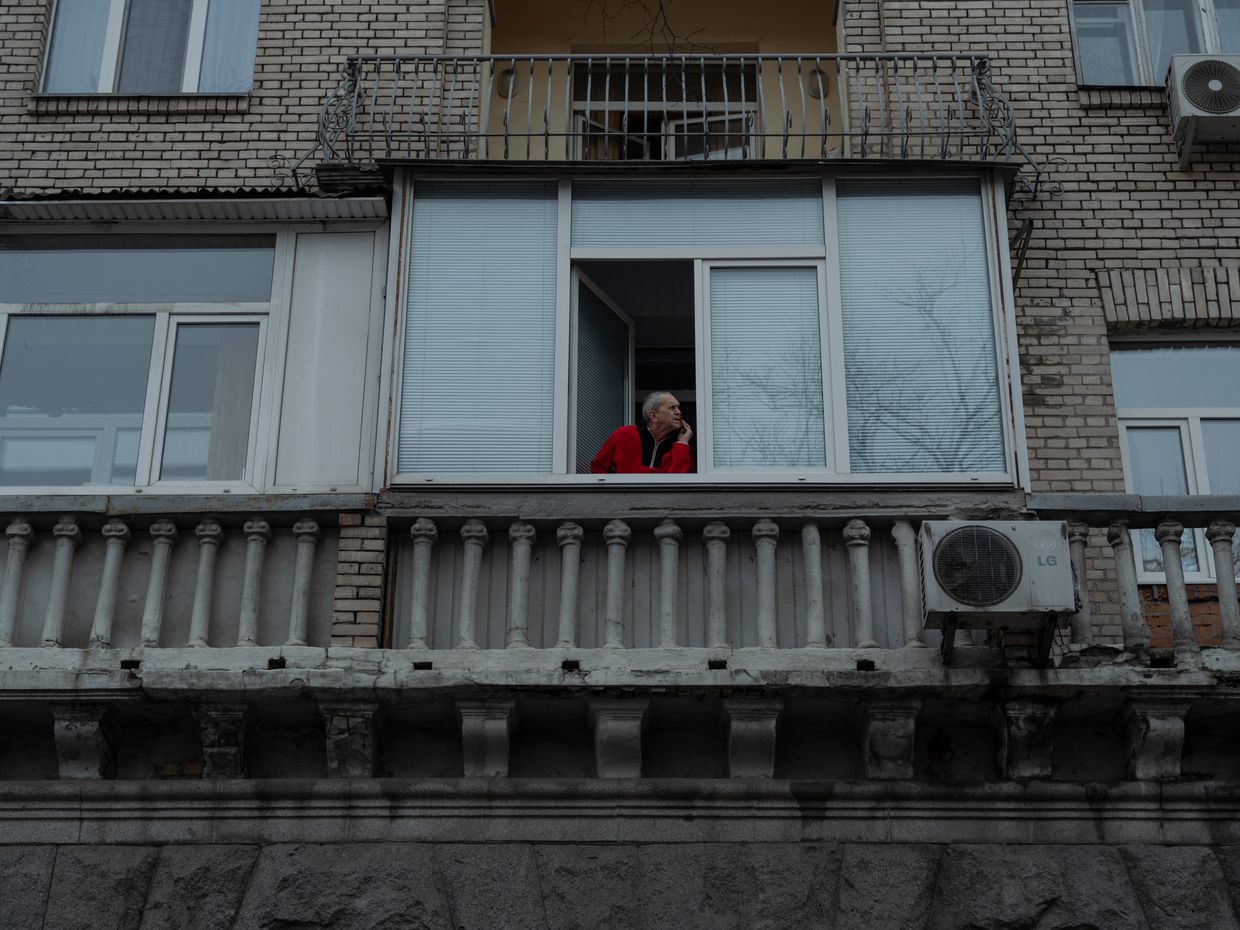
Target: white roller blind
[(479, 362), (602, 374), (919, 335), (697, 213), (766, 368)]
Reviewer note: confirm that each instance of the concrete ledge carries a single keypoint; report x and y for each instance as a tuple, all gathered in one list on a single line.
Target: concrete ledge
[(615, 810)]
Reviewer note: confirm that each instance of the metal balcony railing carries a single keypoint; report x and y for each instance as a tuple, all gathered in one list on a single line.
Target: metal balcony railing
[(663, 108)]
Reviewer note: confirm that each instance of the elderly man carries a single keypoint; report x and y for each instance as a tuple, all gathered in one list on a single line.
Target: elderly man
[(660, 445)]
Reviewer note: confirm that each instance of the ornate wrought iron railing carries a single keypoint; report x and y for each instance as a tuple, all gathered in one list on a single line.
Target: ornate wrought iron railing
[(646, 108)]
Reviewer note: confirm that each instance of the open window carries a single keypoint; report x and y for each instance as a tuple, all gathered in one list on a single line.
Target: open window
[(847, 330)]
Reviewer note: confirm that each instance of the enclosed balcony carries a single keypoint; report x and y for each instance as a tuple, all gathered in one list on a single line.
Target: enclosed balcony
[(645, 109)]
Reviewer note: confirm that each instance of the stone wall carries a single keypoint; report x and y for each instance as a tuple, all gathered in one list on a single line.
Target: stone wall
[(713, 886), (110, 143)]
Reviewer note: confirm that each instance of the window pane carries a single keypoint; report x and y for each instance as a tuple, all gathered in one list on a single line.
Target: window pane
[(479, 365), (919, 339), (136, 269), (1104, 43), (602, 375), (72, 394), (77, 47), (707, 214), (153, 51), (210, 401), (1222, 442), (1156, 464), (1182, 376), (228, 52), (1172, 27), (766, 368), (1228, 13)]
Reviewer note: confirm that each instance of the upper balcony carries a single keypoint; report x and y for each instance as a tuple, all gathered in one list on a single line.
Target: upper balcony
[(647, 109)]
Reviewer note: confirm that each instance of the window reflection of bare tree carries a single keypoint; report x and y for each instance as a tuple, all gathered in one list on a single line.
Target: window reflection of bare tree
[(935, 406), (768, 410), (654, 29)]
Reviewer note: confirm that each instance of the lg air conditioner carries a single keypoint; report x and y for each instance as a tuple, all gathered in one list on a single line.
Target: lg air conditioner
[(996, 575), (1203, 101)]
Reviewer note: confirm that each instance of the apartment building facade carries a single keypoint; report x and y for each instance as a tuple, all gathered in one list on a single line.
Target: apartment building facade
[(315, 313)]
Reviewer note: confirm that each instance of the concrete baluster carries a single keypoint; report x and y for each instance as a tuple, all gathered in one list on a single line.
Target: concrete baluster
[(256, 532), (1132, 619), (857, 545), (815, 615), (1168, 535), (209, 534), (668, 535), (716, 536), (116, 536), (20, 535), (307, 534), (1082, 625), (474, 534), (910, 582), (765, 537), (67, 534), (568, 537), (1221, 535), (424, 534), (616, 535), (163, 535), (521, 542)]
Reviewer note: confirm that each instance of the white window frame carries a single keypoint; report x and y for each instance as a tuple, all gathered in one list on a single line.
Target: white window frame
[(1192, 446), (272, 317), (1207, 20), (827, 256), (114, 38)]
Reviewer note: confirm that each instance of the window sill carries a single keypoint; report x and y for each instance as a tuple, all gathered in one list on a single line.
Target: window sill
[(173, 104), (1122, 98)]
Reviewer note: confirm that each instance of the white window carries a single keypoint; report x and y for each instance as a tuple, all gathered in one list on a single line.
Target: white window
[(131, 361), (843, 330), (1179, 415), (1132, 41), (152, 47)]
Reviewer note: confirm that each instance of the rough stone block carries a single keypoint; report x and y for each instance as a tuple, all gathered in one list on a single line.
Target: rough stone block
[(589, 888), (789, 886), (1182, 887), (99, 886), (492, 886), (345, 887), (690, 886), (868, 875), (996, 887), (618, 736), (25, 872), (198, 887)]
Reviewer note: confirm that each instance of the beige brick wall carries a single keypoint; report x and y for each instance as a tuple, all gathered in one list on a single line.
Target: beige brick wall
[(361, 573), (115, 143)]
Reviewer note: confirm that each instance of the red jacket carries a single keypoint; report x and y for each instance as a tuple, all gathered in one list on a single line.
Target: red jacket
[(622, 454)]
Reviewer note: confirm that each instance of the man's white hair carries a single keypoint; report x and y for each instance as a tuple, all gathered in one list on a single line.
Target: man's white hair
[(651, 404)]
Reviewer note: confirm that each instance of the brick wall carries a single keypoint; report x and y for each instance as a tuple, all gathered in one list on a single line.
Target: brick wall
[(103, 143), (361, 570)]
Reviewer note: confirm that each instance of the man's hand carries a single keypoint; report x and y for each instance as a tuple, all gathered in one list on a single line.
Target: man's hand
[(686, 432)]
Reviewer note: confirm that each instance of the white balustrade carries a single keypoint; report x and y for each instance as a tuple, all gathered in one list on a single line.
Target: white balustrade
[(1168, 535), (163, 536), (1132, 620), (424, 534), (857, 545), (20, 535), (668, 536), (116, 536), (616, 536), (67, 534), (474, 535), (521, 543), (1082, 622), (765, 537), (1221, 535), (815, 616), (568, 538), (256, 532), (307, 535), (716, 537), (209, 535)]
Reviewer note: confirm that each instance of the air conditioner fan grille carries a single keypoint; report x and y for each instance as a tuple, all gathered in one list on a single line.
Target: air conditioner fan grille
[(1213, 86), (977, 566)]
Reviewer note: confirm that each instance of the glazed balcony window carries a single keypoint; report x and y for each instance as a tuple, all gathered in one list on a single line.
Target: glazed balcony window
[(152, 47)]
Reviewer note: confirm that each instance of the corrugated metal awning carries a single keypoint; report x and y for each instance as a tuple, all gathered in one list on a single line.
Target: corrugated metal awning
[(239, 208)]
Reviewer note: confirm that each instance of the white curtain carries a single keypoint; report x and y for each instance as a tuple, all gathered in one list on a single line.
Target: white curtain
[(153, 52), (228, 51)]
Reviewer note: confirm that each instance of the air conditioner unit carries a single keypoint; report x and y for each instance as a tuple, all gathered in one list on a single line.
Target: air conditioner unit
[(996, 575), (1203, 101)]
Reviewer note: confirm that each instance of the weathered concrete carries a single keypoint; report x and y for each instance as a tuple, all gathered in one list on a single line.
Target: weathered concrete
[(98, 886), (25, 874), (198, 887)]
